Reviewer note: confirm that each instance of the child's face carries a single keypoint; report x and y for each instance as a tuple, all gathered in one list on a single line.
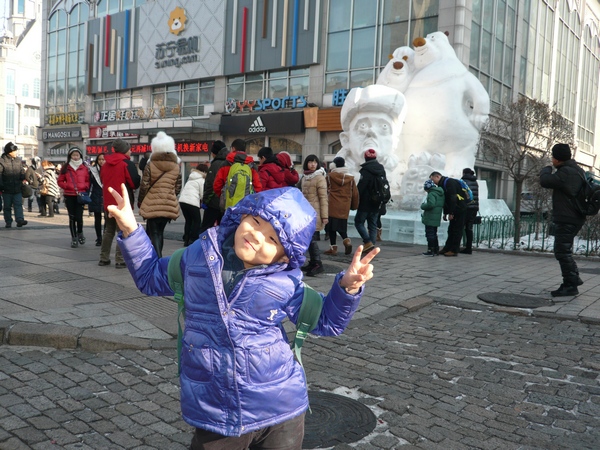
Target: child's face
[(312, 165), (256, 242)]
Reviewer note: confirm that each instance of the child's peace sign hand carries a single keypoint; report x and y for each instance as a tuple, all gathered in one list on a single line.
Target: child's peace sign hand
[(359, 271)]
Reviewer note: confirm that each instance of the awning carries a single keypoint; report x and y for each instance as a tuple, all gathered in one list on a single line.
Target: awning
[(168, 126)]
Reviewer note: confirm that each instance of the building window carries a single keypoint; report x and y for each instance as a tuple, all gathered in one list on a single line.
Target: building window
[(493, 34), (273, 84), (10, 118), (363, 33), (25, 90), (25, 130), (10, 82), (36, 88), (183, 99), (105, 7), (117, 105)]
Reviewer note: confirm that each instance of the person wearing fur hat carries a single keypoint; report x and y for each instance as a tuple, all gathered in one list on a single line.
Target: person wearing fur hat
[(432, 207), (343, 196), (74, 178), (11, 179), (161, 183), (117, 169), (566, 183), (368, 210), (210, 201)]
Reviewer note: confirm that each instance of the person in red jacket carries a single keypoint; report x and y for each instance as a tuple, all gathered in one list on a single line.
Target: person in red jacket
[(271, 173), (74, 178), (118, 169), (290, 175), (238, 147)]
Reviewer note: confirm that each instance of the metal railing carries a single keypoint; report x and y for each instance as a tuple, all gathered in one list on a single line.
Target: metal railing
[(535, 234)]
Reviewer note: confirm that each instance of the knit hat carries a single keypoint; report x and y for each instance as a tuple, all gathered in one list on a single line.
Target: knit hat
[(339, 161), (163, 143), (120, 146), (10, 147), (217, 147), (370, 154), (429, 184), (561, 152), (73, 150)]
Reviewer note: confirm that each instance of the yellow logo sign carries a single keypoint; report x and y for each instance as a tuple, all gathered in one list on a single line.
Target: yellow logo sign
[(177, 21)]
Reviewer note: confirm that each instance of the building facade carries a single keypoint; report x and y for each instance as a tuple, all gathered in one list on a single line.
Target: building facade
[(20, 74), (276, 73)]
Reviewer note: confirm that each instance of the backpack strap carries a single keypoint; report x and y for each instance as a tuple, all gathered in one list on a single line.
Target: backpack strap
[(176, 283), (308, 318)]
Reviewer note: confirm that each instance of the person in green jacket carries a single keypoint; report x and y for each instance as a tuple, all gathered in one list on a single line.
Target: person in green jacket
[(431, 217)]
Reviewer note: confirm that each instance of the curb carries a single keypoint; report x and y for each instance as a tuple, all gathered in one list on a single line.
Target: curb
[(67, 337)]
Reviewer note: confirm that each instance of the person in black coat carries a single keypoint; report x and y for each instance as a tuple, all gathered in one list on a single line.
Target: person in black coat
[(368, 209), (11, 180), (469, 177), (96, 208), (455, 208), (210, 201), (566, 183)]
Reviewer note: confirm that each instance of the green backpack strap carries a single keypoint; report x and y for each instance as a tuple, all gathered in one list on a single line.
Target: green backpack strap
[(176, 283), (308, 318)]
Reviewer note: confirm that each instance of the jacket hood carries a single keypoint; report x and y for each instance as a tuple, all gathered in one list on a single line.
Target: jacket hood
[(284, 159), (231, 157), (115, 158), (288, 212), (222, 154), (469, 177), (195, 175), (373, 166)]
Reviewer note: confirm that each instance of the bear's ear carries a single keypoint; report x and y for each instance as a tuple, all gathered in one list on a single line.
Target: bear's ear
[(447, 33)]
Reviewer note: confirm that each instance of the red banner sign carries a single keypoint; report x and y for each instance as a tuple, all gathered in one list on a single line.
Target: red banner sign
[(136, 149)]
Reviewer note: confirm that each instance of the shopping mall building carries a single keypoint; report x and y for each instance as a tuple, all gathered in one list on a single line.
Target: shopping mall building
[(276, 72)]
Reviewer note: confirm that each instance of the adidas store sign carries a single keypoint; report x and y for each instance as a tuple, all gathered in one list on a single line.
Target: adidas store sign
[(257, 126)]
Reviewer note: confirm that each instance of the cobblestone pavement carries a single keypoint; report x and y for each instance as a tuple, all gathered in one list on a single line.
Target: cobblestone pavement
[(441, 377)]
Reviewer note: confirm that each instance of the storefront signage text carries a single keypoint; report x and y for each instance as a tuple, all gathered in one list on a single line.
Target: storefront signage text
[(103, 133), (115, 115), (61, 134), (339, 96), (65, 118), (185, 49), (296, 101), (180, 148)]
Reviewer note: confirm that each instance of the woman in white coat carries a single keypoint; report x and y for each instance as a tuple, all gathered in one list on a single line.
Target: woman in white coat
[(189, 202)]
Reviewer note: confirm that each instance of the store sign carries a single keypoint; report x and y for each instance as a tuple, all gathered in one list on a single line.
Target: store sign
[(61, 134), (181, 148), (297, 101), (116, 115), (179, 52), (65, 118), (58, 151), (260, 124), (103, 133), (339, 96)]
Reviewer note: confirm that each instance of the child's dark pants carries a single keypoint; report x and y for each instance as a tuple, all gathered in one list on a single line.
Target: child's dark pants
[(284, 436)]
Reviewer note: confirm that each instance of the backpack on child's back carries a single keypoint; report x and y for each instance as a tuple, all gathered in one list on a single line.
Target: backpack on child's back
[(238, 183)]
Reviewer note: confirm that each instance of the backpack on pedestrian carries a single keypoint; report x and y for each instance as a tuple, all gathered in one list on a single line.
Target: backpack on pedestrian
[(467, 193), (588, 199), (308, 316), (380, 190), (238, 183)]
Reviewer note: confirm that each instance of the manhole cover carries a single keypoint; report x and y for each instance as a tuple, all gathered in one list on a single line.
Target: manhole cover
[(335, 420), (592, 270), (516, 300)]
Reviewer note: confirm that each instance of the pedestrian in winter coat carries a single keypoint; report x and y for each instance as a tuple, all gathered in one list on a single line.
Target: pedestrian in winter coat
[(161, 184), (189, 202), (117, 170), (272, 175), (343, 196), (290, 175), (455, 207), (97, 206), (432, 207), (566, 183), (11, 180), (48, 184), (314, 188), (237, 154), (36, 166), (74, 178), (469, 177), (368, 207), (241, 280), (210, 201)]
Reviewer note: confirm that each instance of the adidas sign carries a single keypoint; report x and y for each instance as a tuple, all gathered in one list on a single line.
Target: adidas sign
[(257, 126)]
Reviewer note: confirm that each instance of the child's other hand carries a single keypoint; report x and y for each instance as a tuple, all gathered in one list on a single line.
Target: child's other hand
[(360, 270), (122, 212)]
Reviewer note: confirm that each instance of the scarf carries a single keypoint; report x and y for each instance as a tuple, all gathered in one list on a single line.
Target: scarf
[(75, 164), (95, 171), (310, 175)]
